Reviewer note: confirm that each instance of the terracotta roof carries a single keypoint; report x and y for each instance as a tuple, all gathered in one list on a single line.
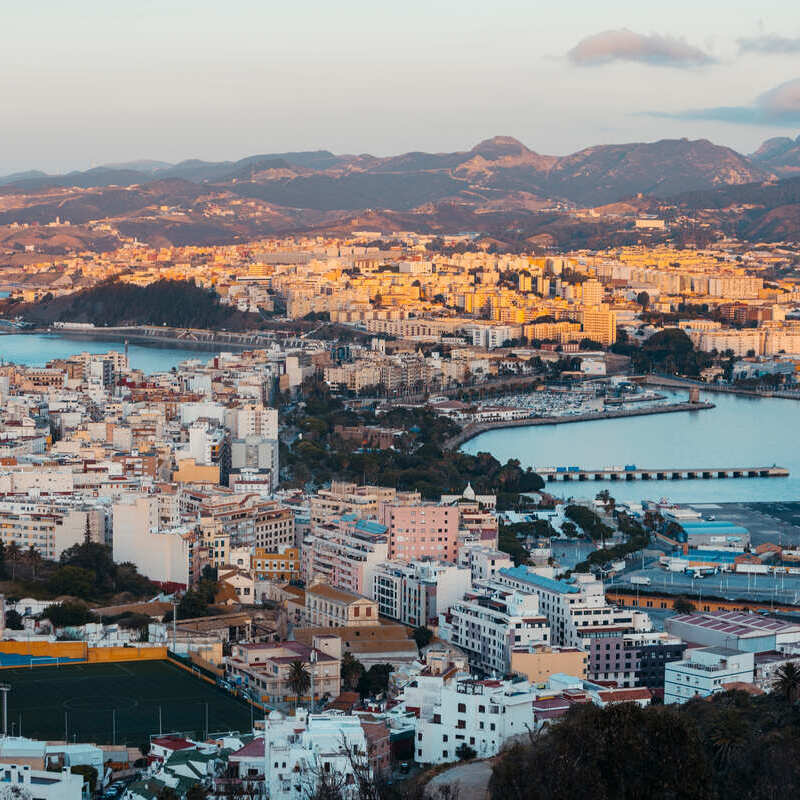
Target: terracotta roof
[(337, 595)]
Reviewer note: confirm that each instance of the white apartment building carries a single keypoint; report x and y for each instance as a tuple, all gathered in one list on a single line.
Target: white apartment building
[(41, 784), (483, 562), (252, 420), (298, 749), (572, 607), (163, 554), (489, 622), (706, 671), (484, 715), (415, 593), (51, 527)]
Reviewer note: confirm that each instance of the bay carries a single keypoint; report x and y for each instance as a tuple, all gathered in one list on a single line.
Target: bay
[(738, 432), (36, 349)]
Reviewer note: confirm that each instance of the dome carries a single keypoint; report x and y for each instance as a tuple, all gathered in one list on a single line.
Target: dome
[(469, 492), (275, 716)]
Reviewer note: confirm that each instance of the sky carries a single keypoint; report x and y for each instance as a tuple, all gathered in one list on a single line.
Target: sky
[(89, 82)]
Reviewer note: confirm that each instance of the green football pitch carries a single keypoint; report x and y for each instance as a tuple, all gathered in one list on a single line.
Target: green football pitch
[(122, 703)]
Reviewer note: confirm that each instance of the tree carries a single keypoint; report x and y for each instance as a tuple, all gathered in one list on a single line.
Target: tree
[(643, 299), (299, 679), (14, 620), (191, 606), (375, 680), (2, 559), (196, 792), (74, 581), (422, 636), (787, 681), (167, 793), (351, 671), (465, 752), (89, 775), (682, 605), (63, 615)]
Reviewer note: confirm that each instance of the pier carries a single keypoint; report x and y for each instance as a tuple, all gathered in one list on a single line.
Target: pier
[(554, 474)]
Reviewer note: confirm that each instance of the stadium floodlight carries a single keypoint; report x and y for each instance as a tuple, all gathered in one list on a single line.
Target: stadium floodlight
[(5, 688)]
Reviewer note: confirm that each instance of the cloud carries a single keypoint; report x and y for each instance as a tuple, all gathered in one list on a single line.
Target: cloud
[(625, 45), (778, 106), (770, 44)]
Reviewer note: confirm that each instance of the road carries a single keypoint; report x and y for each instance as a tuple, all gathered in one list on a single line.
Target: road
[(472, 780)]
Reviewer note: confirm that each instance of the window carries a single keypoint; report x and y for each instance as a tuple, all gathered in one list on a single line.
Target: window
[(462, 708)]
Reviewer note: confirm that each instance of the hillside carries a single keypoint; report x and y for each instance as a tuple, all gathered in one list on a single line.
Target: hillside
[(780, 155), (174, 303)]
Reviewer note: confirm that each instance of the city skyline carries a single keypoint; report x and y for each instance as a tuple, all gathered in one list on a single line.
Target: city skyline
[(90, 85)]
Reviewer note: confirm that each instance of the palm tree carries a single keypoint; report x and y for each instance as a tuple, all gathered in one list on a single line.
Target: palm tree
[(298, 680), (33, 557), (787, 681), (13, 554)]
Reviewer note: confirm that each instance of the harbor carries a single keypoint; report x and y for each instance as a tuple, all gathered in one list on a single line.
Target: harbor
[(476, 429)]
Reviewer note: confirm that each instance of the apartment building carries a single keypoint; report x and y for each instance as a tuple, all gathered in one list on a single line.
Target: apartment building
[(580, 616), (489, 622), (484, 715), (416, 593), (424, 529), (282, 566), (163, 554), (350, 498), (345, 552), (599, 325), (262, 669), (327, 607), (706, 671), (50, 526), (248, 520)]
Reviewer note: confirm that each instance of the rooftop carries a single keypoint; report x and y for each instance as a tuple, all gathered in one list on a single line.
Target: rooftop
[(524, 574)]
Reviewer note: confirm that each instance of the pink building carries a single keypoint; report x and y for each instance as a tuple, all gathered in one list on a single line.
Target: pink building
[(421, 530)]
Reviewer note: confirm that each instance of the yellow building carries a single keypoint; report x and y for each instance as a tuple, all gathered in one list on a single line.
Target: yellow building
[(284, 566), (189, 471), (537, 662), (600, 325)]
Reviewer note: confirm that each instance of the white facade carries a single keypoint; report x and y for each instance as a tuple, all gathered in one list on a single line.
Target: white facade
[(483, 715), (162, 555), (41, 784), (705, 672), (299, 749), (572, 607), (489, 622), (416, 593)]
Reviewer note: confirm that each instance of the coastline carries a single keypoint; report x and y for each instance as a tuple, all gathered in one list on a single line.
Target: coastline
[(476, 429)]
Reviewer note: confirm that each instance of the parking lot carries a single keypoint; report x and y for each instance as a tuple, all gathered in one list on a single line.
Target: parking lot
[(782, 589), (767, 522)]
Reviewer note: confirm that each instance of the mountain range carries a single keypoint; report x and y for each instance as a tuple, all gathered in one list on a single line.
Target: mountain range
[(514, 197), (498, 173)]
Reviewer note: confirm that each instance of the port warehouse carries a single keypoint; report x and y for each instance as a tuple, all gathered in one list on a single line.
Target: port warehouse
[(113, 695)]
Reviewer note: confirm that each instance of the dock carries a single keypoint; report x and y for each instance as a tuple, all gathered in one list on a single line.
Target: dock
[(554, 474)]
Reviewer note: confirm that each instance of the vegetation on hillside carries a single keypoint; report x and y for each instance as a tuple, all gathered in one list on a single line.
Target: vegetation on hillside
[(730, 745), (419, 461), (180, 304)]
